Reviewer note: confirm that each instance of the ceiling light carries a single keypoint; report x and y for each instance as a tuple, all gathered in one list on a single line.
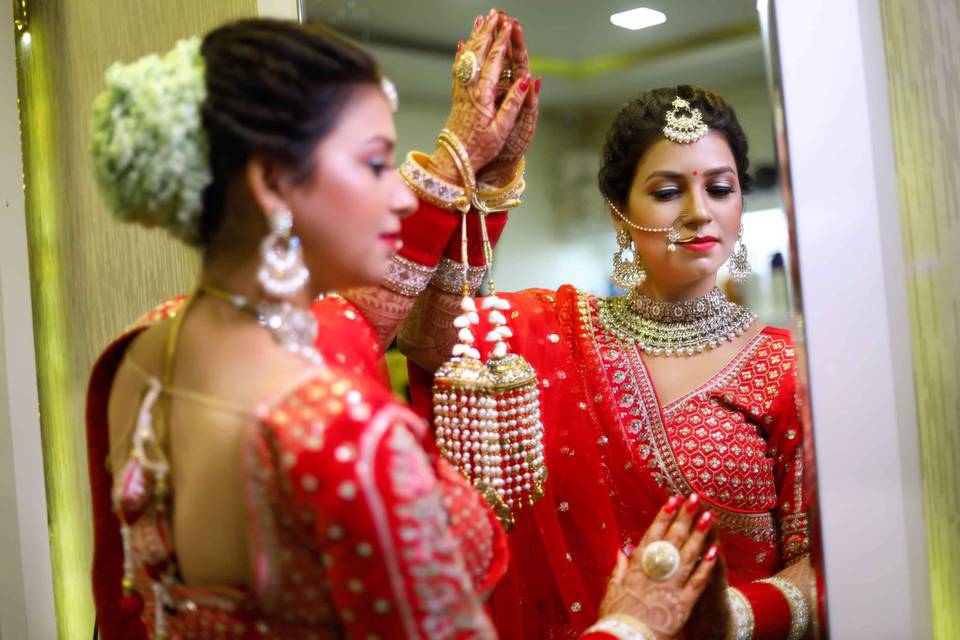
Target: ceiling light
[(639, 18)]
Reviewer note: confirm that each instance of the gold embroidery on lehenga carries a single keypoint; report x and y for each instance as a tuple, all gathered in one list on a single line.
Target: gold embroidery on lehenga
[(717, 449)]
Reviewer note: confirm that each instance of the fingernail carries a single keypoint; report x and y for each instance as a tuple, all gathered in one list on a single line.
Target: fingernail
[(525, 83), (477, 22), (536, 84), (490, 16), (693, 502), (672, 504), (459, 46), (711, 553), (628, 550), (705, 521)]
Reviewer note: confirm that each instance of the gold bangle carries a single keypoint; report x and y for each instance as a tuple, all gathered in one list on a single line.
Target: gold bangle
[(490, 191), (465, 171), (428, 185), (622, 627)]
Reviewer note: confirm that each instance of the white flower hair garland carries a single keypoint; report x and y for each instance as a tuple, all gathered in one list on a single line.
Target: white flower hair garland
[(150, 152)]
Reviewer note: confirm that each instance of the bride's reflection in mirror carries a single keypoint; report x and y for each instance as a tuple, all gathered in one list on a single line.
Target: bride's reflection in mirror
[(671, 378)]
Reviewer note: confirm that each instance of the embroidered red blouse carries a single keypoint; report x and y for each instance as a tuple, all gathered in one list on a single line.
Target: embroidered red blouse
[(359, 529)]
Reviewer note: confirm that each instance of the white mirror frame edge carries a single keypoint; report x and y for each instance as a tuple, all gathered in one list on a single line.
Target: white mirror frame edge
[(851, 261)]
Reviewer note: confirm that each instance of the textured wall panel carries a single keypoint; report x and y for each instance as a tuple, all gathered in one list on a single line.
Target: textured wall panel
[(922, 40), (90, 275)]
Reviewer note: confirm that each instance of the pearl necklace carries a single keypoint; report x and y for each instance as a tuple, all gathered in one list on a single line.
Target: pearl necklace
[(675, 328)]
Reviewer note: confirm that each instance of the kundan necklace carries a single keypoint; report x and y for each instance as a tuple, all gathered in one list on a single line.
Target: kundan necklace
[(675, 328), (293, 328)]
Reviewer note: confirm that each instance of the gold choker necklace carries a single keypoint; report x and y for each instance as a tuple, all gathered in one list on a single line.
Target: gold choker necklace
[(684, 328)]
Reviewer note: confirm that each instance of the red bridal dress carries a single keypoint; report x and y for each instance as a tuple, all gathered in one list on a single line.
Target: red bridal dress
[(614, 453), (359, 528)]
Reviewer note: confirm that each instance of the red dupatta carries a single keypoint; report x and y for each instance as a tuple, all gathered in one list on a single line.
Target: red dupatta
[(612, 461)]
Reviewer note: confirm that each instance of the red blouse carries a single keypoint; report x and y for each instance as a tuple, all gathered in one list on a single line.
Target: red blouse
[(359, 529)]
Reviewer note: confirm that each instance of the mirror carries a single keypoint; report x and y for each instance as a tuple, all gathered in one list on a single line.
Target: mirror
[(562, 234)]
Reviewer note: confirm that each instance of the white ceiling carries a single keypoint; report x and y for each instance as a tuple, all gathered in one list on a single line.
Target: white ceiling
[(712, 43)]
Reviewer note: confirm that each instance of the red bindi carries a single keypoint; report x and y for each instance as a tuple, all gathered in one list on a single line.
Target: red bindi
[(696, 173)]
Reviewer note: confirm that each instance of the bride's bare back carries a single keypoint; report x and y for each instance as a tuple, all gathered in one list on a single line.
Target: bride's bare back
[(235, 365)]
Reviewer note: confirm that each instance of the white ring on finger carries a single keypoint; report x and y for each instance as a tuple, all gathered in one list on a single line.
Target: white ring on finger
[(660, 560)]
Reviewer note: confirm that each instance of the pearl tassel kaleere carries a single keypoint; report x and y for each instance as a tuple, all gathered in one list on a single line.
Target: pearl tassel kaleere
[(518, 399), (465, 408)]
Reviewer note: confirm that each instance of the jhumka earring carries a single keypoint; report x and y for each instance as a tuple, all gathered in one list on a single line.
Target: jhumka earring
[(739, 266), (628, 269), (487, 414), (282, 275), (282, 271)]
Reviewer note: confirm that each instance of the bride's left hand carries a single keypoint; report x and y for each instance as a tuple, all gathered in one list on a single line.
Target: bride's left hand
[(504, 166)]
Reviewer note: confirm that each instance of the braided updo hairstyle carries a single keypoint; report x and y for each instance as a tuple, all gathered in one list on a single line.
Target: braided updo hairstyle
[(275, 88), (639, 125)]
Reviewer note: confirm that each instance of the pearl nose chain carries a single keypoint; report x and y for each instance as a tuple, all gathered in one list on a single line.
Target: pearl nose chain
[(672, 232)]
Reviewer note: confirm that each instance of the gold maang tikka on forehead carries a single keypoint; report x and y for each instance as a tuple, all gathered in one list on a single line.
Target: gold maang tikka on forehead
[(684, 123)]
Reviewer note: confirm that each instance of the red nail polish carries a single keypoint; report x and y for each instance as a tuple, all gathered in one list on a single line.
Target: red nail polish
[(459, 46), (705, 521), (477, 22), (711, 553), (672, 504), (536, 85), (525, 83), (493, 12), (693, 502)]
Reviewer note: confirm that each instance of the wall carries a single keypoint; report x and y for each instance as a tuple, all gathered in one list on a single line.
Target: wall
[(922, 42), (90, 276)]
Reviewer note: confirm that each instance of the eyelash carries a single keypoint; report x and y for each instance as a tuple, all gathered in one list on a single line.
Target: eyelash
[(379, 167), (717, 191)]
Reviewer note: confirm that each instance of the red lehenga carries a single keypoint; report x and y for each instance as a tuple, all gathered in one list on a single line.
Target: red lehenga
[(614, 454), (359, 529)]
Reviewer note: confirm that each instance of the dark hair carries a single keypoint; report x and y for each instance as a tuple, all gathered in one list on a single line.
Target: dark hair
[(639, 125), (274, 88)]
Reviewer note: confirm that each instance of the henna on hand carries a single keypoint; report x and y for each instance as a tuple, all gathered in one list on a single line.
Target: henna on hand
[(428, 335), (502, 168), (384, 309), (476, 118)]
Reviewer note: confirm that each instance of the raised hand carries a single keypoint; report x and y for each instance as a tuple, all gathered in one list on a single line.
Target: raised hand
[(504, 167), (477, 117), (656, 597)]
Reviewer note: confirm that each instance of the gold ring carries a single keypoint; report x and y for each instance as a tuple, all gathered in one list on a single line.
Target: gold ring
[(467, 68), (660, 560)]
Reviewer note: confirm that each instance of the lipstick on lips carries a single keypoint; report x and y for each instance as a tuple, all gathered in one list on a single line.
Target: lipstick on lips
[(392, 239), (700, 244)]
